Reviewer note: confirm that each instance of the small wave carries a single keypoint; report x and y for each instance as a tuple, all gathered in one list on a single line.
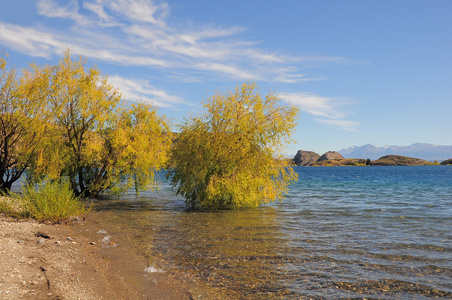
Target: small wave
[(152, 269)]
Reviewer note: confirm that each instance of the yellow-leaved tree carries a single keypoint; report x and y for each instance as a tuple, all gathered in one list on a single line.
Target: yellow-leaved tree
[(22, 127), (230, 156), (96, 141), (138, 145)]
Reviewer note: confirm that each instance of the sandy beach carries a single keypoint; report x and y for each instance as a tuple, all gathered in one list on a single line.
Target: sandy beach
[(40, 261)]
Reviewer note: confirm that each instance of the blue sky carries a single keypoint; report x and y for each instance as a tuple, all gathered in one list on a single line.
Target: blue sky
[(362, 72)]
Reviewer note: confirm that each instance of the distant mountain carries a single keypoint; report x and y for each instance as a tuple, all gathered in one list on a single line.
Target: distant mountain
[(420, 150)]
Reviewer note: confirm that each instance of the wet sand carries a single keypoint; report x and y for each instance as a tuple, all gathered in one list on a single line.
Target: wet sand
[(75, 261)]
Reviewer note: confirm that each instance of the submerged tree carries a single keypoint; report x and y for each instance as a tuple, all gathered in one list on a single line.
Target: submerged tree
[(230, 156), (95, 143), (135, 147), (22, 127)]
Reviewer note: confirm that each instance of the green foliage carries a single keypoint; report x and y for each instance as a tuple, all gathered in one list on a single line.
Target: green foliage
[(51, 201), (227, 157), (7, 206)]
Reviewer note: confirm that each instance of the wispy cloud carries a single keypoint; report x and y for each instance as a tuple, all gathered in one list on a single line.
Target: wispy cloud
[(50, 8), (144, 11), (98, 9), (29, 40), (327, 108), (235, 72), (142, 91), (315, 105), (137, 33), (344, 124)]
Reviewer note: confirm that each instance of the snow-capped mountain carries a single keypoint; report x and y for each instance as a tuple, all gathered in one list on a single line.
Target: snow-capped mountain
[(420, 150)]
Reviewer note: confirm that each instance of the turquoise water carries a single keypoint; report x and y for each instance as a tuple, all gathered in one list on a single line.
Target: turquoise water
[(341, 232)]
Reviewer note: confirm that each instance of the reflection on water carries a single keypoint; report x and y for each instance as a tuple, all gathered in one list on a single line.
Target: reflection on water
[(376, 233), (237, 251), (226, 249)]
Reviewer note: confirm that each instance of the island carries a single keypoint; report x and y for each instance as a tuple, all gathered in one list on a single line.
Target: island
[(447, 162), (335, 159)]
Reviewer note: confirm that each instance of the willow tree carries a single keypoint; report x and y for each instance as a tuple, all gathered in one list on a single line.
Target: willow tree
[(22, 127), (134, 148), (96, 143), (230, 156)]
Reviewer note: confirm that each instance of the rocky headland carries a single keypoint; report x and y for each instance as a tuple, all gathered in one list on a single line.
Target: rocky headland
[(398, 160), (447, 162)]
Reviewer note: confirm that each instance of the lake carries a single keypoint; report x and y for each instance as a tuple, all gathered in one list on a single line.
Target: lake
[(341, 232)]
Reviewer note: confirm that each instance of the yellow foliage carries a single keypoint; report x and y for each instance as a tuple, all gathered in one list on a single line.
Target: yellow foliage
[(22, 127), (141, 141), (98, 145), (228, 157)]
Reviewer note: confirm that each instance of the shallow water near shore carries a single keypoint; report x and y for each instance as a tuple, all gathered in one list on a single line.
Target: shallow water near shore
[(341, 232)]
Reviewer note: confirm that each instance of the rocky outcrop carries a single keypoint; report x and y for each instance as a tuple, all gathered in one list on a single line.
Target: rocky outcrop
[(330, 155), (398, 160), (447, 162), (305, 158)]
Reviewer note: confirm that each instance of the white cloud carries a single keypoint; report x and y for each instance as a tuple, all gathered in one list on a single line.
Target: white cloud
[(314, 104), (231, 70), (211, 33), (43, 44), (138, 10), (344, 124), (52, 9), (98, 9), (29, 40), (328, 108), (136, 33), (185, 45), (143, 91), (289, 75)]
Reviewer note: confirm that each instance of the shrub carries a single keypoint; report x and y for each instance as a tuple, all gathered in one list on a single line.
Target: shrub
[(52, 201), (9, 206), (5, 207)]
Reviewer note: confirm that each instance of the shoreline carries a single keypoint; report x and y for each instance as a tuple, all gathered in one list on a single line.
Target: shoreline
[(74, 261)]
